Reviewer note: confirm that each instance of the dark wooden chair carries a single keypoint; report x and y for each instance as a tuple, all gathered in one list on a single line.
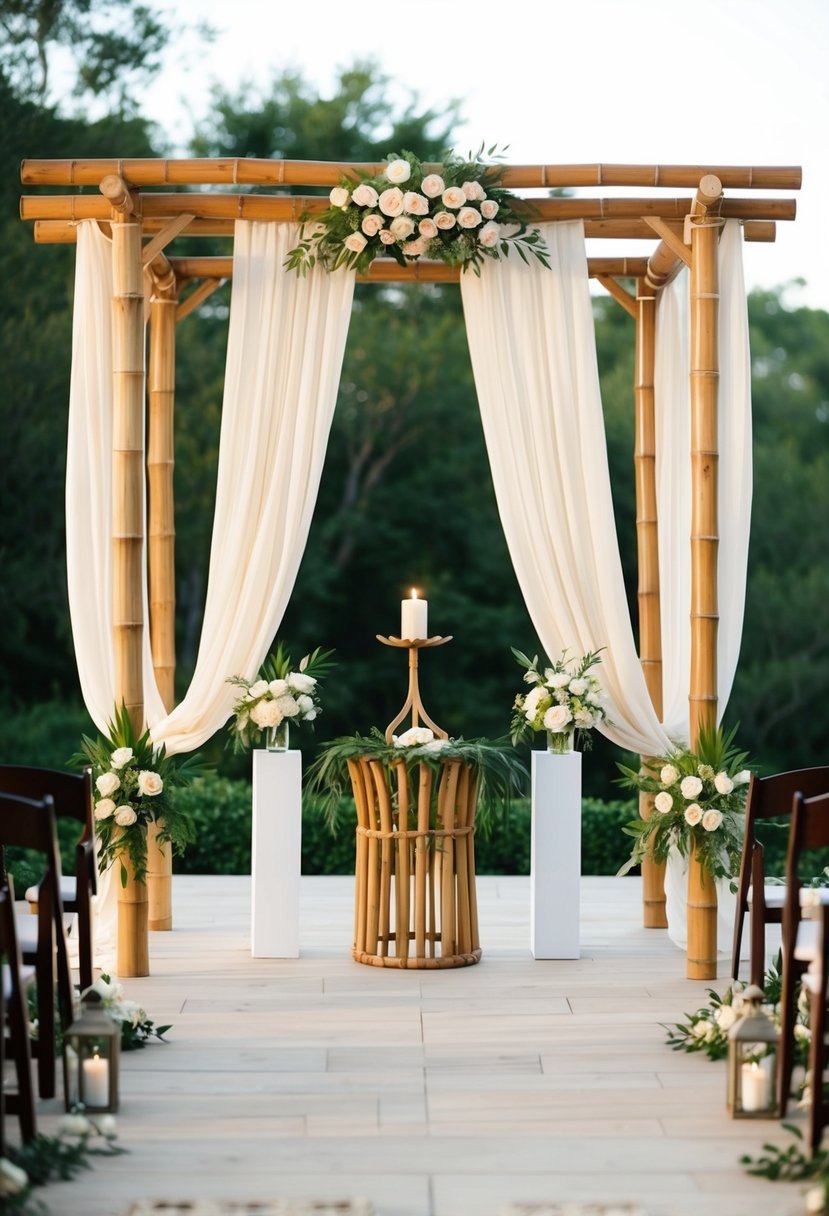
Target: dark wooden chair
[(73, 798), (800, 945), (816, 980), (768, 798), (14, 1040), (28, 823)]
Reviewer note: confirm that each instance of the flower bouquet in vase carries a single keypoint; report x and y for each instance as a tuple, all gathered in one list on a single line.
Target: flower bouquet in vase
[(266, 706), (565, 701)]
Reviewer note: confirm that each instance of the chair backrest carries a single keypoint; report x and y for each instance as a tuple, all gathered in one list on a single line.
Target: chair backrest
[(72, 792), (772, 797), (809, 830)]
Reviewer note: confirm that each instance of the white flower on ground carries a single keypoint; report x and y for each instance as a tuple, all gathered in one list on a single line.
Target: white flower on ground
[(490, 235), (257, 689), (74, 1125), (415, 736), (723, 783), (702, 1028), (445, 221), (468, 217), (663, 802), (104, 808), (278, 688), (557, 718), (668, 775), (398, 171), (299, 682), (453, 197), (107, 1126), (432, 185), (265, 714), (816, 1199), (339, 197), (693, 814), (390, 201), (107, 784), (13, 1180), (355, 242), (489, 209), (726, 1016), (691, 787), (711, 820), (149, 783), (365, 196), (105, 991), (125, 816), (121, 756)]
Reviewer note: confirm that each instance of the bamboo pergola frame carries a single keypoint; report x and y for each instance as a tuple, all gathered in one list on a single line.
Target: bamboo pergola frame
[(147, 204)]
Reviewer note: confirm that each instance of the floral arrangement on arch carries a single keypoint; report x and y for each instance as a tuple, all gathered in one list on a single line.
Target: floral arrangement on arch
[(565, 697), (277, 696), (458, 214), (136, 783), (699, 801)]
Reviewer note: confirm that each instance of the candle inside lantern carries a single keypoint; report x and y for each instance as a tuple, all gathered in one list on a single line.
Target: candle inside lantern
[(96, 1082), (754, 1087), (414, 618)]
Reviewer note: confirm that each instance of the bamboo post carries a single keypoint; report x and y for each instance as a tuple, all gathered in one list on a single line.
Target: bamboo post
[(161, 548), (647, 542), (702, 699), (128, 523)]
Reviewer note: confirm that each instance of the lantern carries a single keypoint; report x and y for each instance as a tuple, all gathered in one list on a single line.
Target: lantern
[(752, 1061), (90, 1059)]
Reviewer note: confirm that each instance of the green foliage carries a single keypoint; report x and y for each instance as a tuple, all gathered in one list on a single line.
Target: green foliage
[(790, 1164)]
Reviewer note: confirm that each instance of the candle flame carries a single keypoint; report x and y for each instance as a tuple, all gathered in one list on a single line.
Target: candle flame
[(414, 593)]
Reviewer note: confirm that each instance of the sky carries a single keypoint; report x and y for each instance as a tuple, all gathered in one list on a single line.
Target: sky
[(566, 81)]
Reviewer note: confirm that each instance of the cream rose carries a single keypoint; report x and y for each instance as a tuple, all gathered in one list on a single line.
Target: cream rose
[(278, 688), (490, 235), (711, 820), (489, 208), (121, 756), (723, 783), (402, 227), (743, 777), (125, 816), (726, 1016), (372, 224), (428, 229), (691, 787), (390, 201), (13, 1179), (104, 808), (107, 784), (415, 248), (693, 814), (266, 714), (668, 775), (365, 196), (257, 689), (398, 171), (468, 217), (473, 191), (432, 185), (287, 706), (556, 679), (149, 783), (445, 221), (355, 242), (453, 197), (415, 204), (663, 802), (386, 237), (557, 718), (339, 197)]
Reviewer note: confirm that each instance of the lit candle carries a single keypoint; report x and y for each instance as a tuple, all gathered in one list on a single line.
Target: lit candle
[(414, 618), (755, 1092), (95, 1082)]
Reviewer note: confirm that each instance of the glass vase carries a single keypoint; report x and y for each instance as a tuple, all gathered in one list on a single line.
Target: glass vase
[(560, 742), (276, 737)]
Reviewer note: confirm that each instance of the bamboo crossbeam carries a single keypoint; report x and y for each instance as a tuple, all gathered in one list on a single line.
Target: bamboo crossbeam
[(619, 293), (197, 297), (252, 171), (293, 208), (433, 272), (162, 239)]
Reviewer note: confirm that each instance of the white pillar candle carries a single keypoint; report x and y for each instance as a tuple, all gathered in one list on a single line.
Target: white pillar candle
[(95, 1082), (414, 618), (754, 1088)]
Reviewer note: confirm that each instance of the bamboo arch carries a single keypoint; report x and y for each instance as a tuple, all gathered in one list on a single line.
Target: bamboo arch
[(682, 230)]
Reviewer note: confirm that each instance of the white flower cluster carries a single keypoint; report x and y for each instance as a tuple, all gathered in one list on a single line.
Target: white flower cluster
[(419, 736), (411, 219), (13, 1179), (265, 704), (564, 698), (121, 785), (696, 794), (116, 1004)]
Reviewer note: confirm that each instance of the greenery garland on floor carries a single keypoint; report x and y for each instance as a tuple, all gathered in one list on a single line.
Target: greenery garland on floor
[(53, 1158)]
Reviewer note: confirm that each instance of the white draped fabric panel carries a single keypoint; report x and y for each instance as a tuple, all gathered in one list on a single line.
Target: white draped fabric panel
[(285, 347)]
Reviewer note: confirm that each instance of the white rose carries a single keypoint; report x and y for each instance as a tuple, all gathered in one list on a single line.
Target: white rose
[(372, 224), (468, 217), (415, 248), (278, 688), (802, 1033), (723, 783), (398, 171), (473, 190), (107, 784), (415, 736), (742, 778), (257, 689), (663, 802), (105, 991), (701, 1028), (691, 787), (584, 719), (428, 229), (711, 820), (578, 687), (365, 196), (532, 702), (287, 706), (490, 235), (125, 816), (386, 237), (444, 220), (339, 197), (299, 682), (390, 201), (557, 718), (13, 1180), (453, 197), (121, 756), (149, 783), (104, 808), (693, 814), (107, 1126), (402, 227), (816, 1199), (306, 704), (556, 679), (432, 185), (74, 1125), (726, 1017), (265, 714), (668, 775), (489, 209), (415, 203), (355, 242), (310, 715)]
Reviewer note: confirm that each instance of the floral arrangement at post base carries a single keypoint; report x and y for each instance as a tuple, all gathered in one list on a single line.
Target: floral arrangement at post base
[(136, 783), (457, 214), (277, 697), (565, 699), (699, 803)]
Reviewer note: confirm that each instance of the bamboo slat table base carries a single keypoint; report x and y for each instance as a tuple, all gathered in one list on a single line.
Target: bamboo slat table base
[(415, 904)]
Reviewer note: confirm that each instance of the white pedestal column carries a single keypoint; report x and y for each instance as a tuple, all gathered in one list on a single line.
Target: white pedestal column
[(555, 855), (276, 861)]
